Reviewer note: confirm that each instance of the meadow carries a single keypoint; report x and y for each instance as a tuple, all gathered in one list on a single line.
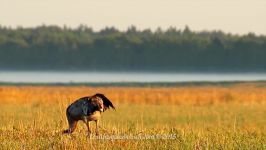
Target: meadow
[(178, 117)]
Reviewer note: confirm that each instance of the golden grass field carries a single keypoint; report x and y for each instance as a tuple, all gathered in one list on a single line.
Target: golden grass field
[(182, 117)]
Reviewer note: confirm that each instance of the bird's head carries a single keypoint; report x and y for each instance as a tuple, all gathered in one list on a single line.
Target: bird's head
[(98, 104), (101, 102)]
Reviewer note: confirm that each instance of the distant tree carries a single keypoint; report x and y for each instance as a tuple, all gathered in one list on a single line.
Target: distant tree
[(53, 47)]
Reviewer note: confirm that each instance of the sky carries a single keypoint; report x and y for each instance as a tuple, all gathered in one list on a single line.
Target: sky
[(234, 16)]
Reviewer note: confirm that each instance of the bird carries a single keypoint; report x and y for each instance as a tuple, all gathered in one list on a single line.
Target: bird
[(87, 109)]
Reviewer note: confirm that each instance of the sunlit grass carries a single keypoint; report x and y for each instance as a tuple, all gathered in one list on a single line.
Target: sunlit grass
[(198, 118)]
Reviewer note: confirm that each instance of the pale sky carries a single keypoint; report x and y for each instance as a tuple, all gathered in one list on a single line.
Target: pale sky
[(235, 16)]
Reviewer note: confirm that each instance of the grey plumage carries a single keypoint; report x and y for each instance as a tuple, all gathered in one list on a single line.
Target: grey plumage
[(87, 109)]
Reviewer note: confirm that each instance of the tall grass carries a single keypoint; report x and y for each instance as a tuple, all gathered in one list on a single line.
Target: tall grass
[(205, 117)]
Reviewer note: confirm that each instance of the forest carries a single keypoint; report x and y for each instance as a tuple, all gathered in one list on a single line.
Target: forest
[(109, 49)]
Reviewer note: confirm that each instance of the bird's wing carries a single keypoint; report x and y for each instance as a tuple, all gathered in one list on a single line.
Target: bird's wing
[(106, 102), (78, 108)]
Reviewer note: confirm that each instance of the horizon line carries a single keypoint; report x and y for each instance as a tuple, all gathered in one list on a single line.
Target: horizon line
[(164, 29)]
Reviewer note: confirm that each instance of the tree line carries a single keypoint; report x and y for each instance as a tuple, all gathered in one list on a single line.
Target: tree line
[(82, 48)]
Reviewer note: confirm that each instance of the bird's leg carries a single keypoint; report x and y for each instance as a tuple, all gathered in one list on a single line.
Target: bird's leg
[(87, 122), (97, 128), (72, 125)]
